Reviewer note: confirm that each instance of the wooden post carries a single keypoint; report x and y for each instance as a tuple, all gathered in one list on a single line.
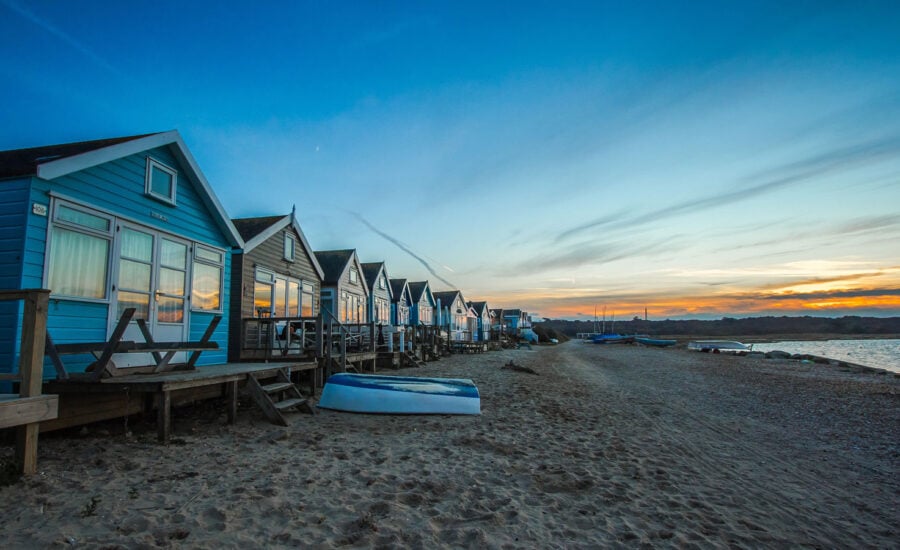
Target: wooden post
[(343, 350), (31, 369), (164, 416), (320, 341), (232, 392)]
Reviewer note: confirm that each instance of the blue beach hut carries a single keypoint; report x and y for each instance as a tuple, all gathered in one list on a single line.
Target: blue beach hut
[(111, 224)]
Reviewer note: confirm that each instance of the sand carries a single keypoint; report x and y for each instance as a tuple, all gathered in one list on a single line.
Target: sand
[(604, 446)]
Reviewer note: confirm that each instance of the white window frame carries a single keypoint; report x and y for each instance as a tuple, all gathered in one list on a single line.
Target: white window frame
[(197, 260), (289, 239), (148, 181), (109, 235), (354, 275)]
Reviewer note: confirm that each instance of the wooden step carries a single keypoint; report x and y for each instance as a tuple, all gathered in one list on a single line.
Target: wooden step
[(289, 403), (277, 387)]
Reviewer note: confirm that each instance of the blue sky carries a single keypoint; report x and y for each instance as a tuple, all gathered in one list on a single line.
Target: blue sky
[(697, 159)]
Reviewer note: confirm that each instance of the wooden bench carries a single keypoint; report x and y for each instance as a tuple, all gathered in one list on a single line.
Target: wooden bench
[(162, 352)]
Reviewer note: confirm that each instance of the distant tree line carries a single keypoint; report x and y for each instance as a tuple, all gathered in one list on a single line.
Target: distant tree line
[(728, 326)]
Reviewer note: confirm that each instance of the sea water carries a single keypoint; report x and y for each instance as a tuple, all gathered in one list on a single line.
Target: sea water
[(882, 354)]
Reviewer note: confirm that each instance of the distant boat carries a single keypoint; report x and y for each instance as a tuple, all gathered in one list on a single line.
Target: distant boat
[(612, 339), (718, 346), (371, 393), (660, 343)]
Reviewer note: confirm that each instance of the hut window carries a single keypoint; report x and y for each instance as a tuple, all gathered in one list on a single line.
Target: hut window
[(160, 181), (354, 276), (289, 247), (306, 300), (79, 253), (293, 299), (381, 284), (206, 281)]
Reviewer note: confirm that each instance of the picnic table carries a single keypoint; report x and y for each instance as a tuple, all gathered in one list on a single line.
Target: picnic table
[(161, 352)]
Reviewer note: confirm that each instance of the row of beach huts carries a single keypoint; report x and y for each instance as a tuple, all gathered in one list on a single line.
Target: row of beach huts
[(135, 248)]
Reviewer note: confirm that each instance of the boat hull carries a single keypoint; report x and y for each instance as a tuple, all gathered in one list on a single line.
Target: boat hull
[(718, 346), (655, 342), (612, 339), (369, 393)]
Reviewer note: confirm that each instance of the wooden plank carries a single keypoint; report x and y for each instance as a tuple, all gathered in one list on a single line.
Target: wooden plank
[(83, 408), (142, 324), (50, 349), (206, 336), (102, 363), (34, 331), (123, 346), (12, 295), (158, 347), (16, 410)]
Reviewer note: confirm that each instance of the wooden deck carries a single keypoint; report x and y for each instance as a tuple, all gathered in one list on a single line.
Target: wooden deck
[(93, 400)]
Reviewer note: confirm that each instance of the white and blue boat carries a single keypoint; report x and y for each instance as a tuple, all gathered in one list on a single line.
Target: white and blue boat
[(718, 346), (656, 342), (372, 393)]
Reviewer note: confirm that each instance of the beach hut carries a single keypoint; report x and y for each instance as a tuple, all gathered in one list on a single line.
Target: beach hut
[(455, 316), (400, 303), (483, 321), (276, 284), (380, 292), (514, 320), (498, 326), (422, 306), (110, 225), (345, 293)]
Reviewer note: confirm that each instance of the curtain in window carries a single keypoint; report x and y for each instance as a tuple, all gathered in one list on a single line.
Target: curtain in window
[(78, 264)]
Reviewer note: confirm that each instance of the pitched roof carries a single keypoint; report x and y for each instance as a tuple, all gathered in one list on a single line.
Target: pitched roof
[(447, 296), (370, 272), (416, 289), (478, 307), (397, 286), (255, 231), (24, 162), (512, 312), (251, 227), (333, 263), (54, 161)]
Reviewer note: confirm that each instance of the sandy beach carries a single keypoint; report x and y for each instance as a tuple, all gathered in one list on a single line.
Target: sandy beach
[(604, 446)]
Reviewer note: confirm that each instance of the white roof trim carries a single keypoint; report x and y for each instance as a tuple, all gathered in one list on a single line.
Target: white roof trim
[(278, 226), (61, 167)]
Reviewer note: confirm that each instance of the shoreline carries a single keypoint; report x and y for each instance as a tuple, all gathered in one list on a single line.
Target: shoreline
[(787, 337)]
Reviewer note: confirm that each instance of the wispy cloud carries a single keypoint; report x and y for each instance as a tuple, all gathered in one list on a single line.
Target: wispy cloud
[(775, 179), (61, 35), (404, 248)]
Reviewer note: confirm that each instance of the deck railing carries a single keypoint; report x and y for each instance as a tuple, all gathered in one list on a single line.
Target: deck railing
[(27, 408), (281, 337)]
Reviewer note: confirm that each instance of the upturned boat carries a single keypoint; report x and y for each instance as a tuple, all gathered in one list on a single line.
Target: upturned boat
[(612, 339), (718, 346), (657, 342), (372, 393)]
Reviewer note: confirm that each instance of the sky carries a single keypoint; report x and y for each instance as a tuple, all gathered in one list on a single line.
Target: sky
[(687, 159)]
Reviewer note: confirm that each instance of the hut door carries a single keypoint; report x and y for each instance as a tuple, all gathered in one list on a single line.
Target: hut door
[(151, 276)]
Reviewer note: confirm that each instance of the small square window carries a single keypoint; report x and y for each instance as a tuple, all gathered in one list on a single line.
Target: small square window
[(161, 182), (289, 247)]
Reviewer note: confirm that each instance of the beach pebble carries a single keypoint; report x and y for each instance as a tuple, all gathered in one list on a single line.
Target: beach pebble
[(777, 354)]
